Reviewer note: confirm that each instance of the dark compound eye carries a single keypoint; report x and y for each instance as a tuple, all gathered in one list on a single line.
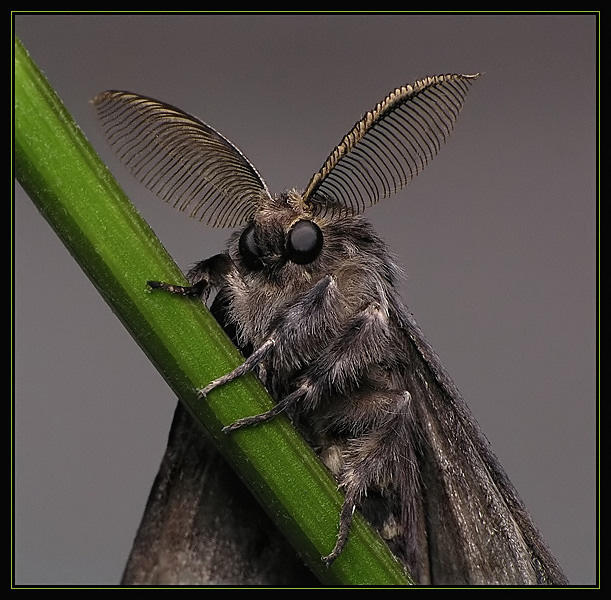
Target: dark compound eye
[(249, 250), (304, 242)]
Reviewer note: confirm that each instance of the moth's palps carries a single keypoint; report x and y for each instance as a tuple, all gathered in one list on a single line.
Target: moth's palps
[(308, 287)]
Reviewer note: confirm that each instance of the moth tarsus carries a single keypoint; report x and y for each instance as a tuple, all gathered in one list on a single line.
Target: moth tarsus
[(180, 290), (248, 365), (309, 288)]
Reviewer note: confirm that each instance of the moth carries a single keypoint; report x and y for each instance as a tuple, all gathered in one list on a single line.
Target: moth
[(309, 290)]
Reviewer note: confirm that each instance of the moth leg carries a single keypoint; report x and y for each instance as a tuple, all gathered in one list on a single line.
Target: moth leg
[(341, 365), (266, 416), (382, 459), (197, 290), (300, 321), (345, 522), (204, 275), (248, 365)]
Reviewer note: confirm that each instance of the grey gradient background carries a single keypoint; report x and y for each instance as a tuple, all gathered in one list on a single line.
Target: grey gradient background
[(497, 238)]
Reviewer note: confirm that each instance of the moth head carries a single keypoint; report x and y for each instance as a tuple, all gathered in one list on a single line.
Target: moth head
[(279, 236), (195, 168)]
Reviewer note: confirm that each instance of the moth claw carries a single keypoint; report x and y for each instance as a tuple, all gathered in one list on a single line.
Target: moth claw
[(229, 428), (329, 559), (203, 392)]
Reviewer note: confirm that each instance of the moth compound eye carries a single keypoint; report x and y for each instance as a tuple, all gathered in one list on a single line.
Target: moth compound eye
[(304, 242), (249, 250)]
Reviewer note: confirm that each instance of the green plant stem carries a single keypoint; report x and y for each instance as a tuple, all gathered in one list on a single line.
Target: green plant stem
[(79, 198)]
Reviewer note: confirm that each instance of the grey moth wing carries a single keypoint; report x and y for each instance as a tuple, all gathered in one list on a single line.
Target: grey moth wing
[(478, 530)]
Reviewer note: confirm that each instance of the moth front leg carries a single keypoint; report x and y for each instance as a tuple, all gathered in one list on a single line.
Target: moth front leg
[(204, 276), (300, 327), (335, 366), (340, 366)]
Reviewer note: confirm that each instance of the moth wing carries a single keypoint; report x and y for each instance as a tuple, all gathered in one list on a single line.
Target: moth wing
[(181, 159), (201, 524), (478, 530)]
